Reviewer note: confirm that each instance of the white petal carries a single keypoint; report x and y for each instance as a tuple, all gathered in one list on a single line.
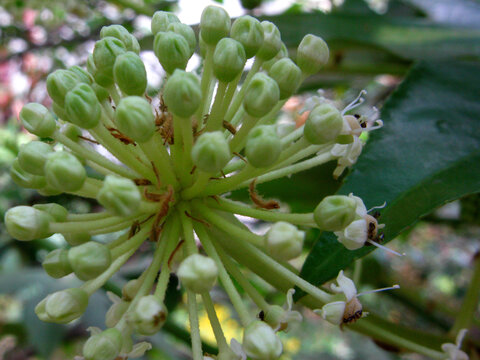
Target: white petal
[(114, 298), (333, 312), (94, 330), (354, 235), (347, 286), (139, 349)]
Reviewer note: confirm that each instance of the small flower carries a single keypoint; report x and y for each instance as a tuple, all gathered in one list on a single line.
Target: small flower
[(452, 351), (280, 318)]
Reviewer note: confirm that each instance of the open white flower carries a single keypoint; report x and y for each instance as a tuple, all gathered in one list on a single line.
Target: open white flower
[(453, 351)]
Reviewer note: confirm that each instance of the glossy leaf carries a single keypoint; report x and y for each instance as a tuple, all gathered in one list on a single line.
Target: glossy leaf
[(427, 154)]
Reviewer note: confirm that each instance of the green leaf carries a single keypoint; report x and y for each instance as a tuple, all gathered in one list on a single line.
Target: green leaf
[(426, 155), (407, 38)]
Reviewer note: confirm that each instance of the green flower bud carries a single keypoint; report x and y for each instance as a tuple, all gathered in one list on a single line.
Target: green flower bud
[(122, 34), (261, 96), (41, 312), (48, 191), (249, 32), (119, 195), (335, 213), (284, 241), (172, 51), (149, 315), (272, 41), (83, 75), (101, 93), (115, 313), (182, 94), (198, 273), (57, 212), (324, 124), (312, 54), (130, 74), (72, 132), (32, 156), (59, 111), (64, 172), (38, 120), (26, 223), (287, 75), (134, 117), (228, 59), (283, 53), (130, 289), (187, 32), (260, 342), (161, 20), (91, 68), (77, 239), (211, 152), (59, 83), (103, 346), (263, 146), (63, 306), (82, 107), (214, 24), (25, 179), (56, 263), (89, 260), (104, 55)]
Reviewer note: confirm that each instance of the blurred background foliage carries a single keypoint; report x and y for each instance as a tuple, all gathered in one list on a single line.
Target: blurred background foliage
[(427, 155)]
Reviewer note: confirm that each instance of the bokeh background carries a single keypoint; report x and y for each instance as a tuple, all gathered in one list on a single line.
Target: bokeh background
[(373, 43)]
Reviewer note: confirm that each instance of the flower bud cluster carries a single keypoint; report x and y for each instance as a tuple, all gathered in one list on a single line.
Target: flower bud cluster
[(176, 156)]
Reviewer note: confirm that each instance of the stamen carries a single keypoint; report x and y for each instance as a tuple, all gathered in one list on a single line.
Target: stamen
[(359, 100), (385, 248), (396, 286), (377, 207)]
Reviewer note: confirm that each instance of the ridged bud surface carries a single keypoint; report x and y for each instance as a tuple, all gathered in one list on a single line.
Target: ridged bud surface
[(182, 93), (82, 107), (135, 119), (228, 59), (312, 54), (130, 74), (287, 75), (272, 41), (38, 120), (89, 260), (172, 51), (249, 32), (263, 146), (324, 124), (198, 273), (211, 152), (32, 156), (215, 24), (261, 96), (61, 166), (120, 196), (26, 223), (335, 212)]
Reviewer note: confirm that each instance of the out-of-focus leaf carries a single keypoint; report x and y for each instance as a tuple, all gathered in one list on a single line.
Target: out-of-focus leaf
[(427, 154), (455, 12), (407, 38)]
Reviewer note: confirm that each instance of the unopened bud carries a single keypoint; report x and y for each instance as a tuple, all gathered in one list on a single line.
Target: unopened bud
[(249, 32), (283, 53), (312, 54), (287, 75), (61, 166), (26, 223), (211, 152), (284, 241), (263, 146), (130, 289), (38, 120), (134, 117), (172, 51), (119, 195), (77, 239), (149, 315), (82, 107), (56, 263), (161, 20), (324, 124), (187, 32), (260, 342), (261, 96), (198, 273), (214, 24), (130, 74), (32, 156), (56, 211), (335, 212), (83, 75), (103, 346), (272, 41), (59, 83), (63, 306), (72, 132), (122, 34), (182, 93), (228, 60), (116, 312), (25, 179), (104, 55), (89, 260)]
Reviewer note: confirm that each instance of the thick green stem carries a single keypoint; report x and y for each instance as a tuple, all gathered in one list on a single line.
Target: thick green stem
[(158, 155), (470, 302), (238, 141)]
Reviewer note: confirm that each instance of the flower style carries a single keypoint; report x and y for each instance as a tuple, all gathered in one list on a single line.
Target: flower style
[(170, 162), (452, 351)]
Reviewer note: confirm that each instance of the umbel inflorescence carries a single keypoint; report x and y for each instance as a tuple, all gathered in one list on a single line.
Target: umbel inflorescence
[(175, 163)]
